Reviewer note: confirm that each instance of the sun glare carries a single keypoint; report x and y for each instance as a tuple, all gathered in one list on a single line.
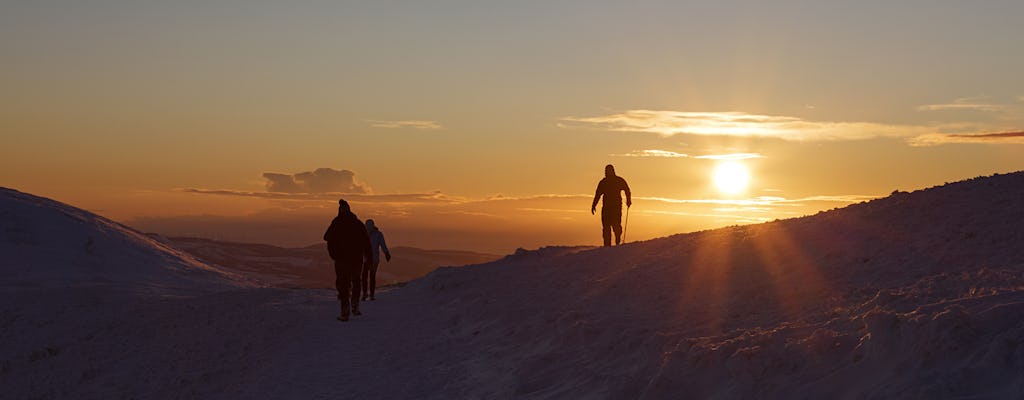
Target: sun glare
[(731, 177)]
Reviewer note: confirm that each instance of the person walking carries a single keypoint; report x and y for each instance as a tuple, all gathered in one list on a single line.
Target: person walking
[(349, 247), (611, 208), (370, 273)]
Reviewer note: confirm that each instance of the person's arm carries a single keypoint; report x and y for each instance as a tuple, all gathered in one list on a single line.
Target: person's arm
[(367, 249), (329, 233), (597, 196), (629, 196), (384, 246)]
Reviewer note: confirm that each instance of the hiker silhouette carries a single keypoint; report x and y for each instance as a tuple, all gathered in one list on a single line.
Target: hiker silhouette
[(349, 245), (611, 208), (377, 244)]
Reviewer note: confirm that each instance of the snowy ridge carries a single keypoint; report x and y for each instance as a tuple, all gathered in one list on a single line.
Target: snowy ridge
[(917, 295), (46, 243)]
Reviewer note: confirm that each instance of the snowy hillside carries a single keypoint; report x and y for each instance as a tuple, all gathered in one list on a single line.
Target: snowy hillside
[(45, 243), (918, 296)]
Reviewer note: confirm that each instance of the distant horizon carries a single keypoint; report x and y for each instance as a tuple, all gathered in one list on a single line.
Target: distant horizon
[(292, 234), (306, 246)]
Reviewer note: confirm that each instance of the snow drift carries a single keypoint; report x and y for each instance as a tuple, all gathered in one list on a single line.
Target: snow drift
[(49, 244)]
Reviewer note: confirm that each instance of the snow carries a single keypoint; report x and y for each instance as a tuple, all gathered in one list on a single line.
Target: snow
[(50, 244), (917, 295)]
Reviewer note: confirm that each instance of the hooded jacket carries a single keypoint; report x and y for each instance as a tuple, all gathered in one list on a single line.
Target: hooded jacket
[(377, 242), (347, 241)]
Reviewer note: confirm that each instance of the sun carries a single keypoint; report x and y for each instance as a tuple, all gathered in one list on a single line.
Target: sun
[(731, 177)]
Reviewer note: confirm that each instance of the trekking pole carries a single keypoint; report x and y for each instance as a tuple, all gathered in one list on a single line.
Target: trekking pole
[(624, 226)]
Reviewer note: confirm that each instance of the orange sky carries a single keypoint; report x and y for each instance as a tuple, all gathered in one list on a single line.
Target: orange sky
[(168, 116)]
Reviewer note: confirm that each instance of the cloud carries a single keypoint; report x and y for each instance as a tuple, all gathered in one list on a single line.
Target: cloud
[(652, 153), (731, 156), (769, 200), (414, 124), (672, 154), (734, 123), (402, 198), (966, 103), (322, 180), (986, 138)]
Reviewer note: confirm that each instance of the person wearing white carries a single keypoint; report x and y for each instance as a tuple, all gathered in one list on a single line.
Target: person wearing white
[(377, 244)]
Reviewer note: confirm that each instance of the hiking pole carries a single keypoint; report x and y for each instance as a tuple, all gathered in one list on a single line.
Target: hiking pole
[(624, 226)]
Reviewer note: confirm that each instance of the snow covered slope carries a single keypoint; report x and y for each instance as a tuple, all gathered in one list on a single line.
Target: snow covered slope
[(915, 296), (46, 244)]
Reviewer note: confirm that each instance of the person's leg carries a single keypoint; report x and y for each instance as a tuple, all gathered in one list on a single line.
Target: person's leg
[(606, 229), (356, 272), (613, 219), (362, 278), (342, 282), (373, 279)]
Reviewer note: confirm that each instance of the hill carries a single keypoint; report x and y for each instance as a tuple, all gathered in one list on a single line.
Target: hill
[(917, 295), (310, 267), (50, 244)]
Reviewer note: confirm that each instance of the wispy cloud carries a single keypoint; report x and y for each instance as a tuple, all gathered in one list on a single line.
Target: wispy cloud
[(980, 103), (734, 123), (672, 154), (435, 197), (768, 200), (731, 156), (986, 138), (653, 153), (413, 124), (396, 198)]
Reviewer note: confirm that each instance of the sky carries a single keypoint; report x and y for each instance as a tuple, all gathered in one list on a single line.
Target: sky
[(486, 125)]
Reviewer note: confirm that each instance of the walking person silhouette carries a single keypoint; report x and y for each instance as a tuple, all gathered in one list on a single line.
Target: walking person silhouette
[(349, 245), (377, 244), (611, 208)]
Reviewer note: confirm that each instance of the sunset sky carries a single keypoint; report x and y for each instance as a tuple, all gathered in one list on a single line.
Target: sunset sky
[(486, 125)]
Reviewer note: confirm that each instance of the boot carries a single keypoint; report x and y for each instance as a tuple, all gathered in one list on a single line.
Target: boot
[(355, 311), (344, 313)]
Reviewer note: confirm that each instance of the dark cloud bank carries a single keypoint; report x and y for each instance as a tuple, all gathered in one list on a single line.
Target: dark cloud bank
[(322, 180)]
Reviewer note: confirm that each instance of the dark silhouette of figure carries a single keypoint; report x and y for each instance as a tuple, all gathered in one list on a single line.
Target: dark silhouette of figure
[(349, 247), (376, 245), (611, 208)]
